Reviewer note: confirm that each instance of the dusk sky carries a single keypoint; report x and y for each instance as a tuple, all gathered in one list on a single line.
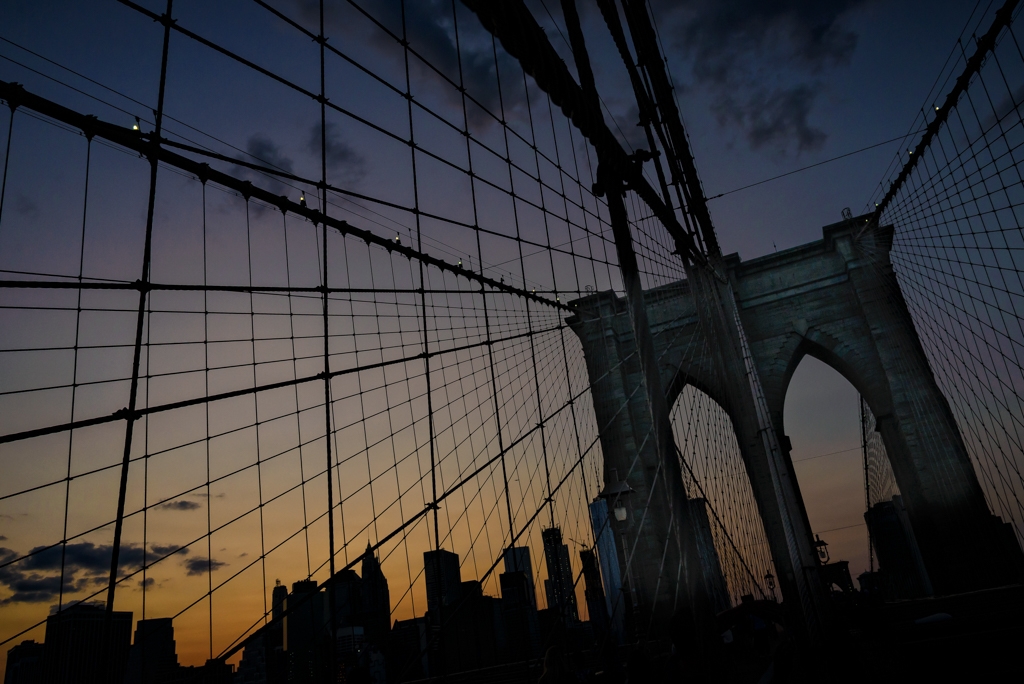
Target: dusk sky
[(764, 88)]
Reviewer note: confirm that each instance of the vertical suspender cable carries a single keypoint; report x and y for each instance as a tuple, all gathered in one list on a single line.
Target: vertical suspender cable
[(143, 286)]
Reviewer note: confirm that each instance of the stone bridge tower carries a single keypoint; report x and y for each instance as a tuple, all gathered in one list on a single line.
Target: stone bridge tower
[(835, 299)]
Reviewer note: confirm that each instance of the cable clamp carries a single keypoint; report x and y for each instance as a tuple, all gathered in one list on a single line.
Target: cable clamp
[(88, 125), (15, 92)]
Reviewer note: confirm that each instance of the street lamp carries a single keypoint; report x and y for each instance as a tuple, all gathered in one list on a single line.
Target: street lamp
[(822, 547), (615, 490)]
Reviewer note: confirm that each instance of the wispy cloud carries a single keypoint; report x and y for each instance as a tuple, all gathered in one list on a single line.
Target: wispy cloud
[(166, 549), (344, 164), (199, 565), (24, 205), (261, 149), (762, 63), (430, 28), (180, 505)]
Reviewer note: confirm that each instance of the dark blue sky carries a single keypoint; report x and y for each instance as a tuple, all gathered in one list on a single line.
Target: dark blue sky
[(765, 87)]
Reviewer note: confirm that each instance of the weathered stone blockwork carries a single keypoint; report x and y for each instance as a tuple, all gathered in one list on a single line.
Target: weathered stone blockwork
[(836, 299)]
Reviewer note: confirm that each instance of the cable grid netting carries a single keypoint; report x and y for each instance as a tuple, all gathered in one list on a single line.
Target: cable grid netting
[(958, 247), (179, 314), (224, 366), (442, 388)]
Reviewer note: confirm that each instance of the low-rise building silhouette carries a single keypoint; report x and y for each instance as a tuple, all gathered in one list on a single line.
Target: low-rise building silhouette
[(153, 658), (86, 644), (25, 663)]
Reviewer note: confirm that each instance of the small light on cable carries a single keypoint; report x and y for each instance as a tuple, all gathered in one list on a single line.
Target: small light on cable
[(398, 239), (135, 126), (302, 198)]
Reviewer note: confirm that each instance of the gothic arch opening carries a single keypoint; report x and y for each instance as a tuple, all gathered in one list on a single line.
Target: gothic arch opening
[(821, 417), (733, 546)]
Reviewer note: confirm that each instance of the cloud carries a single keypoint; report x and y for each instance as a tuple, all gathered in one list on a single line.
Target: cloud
[(43, 588), (147, 583), (722, 35), (199, 565), (167, 549), (262, 150), (84, 556), (31, 580), (3, 538), (430, 29), (267, 152), (773, 117), (180, 505), (86, 566), (24, 205), (345, 166), (762, 63)]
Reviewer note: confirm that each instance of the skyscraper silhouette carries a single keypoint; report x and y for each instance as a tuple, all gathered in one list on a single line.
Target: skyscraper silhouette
[(444, 579), (305, 633), (274, 654), (559, 586), (608, 557), (376, 609), (594, 592), (519, 614), (517, 559)]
